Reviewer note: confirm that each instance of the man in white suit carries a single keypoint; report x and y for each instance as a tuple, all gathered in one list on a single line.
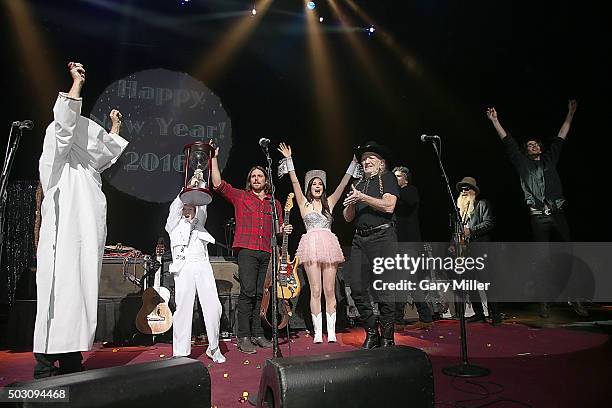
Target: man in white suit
[(192, 273), (73, 230)]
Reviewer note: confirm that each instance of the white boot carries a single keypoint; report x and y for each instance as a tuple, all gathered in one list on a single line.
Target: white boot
[(217, 357), (317, 321), (331, 327)]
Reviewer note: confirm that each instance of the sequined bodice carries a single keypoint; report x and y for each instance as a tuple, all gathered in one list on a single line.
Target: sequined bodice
[(316, 220)]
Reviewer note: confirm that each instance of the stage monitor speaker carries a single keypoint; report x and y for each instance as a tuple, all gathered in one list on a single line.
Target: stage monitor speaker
[(385, 377), (155, 384)]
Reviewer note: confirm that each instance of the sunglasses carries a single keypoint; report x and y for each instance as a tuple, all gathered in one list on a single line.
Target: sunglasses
[(465, 188)]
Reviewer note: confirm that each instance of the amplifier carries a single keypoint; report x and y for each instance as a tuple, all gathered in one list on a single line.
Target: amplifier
[(224, 270), (113, 281), (115, 284)]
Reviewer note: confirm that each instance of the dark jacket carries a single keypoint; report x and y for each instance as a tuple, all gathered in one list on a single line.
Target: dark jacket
[(540, 180), (407, 215), (481, 222)]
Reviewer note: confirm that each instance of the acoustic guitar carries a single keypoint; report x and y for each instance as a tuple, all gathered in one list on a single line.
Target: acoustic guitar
[(155, 316)]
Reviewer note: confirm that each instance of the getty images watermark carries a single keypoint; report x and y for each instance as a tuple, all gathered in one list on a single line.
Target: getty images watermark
[(400, 264), (504, 271)]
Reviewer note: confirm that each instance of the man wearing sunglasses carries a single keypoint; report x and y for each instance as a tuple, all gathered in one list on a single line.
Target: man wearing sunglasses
[(478, 222)]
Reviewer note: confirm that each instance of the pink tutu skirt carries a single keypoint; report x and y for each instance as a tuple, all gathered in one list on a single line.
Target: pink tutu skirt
[(320, 245)]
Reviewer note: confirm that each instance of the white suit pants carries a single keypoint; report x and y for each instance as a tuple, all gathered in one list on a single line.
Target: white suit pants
[(195, 276)]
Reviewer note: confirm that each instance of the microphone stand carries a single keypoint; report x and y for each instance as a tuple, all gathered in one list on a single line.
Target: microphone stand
[(274, 258), (465, 369), (9, 156)]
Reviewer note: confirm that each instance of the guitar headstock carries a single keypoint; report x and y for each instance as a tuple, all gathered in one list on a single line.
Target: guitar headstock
[(289, 202), (160, 249)]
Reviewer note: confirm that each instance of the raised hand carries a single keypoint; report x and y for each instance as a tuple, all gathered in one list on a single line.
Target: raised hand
[(115, 117), (284, 149), (353, 197), (77, 71), (491, 113), (571, 106)]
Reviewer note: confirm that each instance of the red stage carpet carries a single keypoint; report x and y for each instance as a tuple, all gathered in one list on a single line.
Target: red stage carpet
[(529, 367)]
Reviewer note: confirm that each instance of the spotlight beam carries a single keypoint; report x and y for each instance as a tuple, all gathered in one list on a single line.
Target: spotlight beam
[(35, 54), (215, 62), (409, 62), (174, 24), (330, 112)]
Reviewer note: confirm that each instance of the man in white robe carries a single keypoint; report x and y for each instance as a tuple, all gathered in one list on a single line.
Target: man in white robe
[(192, 273), (73, 230)]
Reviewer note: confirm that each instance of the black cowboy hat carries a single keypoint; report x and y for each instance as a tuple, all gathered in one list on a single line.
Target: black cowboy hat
[(373, 147)]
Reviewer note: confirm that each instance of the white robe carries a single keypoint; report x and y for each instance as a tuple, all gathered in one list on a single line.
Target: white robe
[(73, 229)]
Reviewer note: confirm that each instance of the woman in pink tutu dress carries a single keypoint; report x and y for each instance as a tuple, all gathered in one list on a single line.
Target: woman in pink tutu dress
[(319, 250)]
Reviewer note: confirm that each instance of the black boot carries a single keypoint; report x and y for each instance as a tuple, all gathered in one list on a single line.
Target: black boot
[(372, 339), (388, 332)]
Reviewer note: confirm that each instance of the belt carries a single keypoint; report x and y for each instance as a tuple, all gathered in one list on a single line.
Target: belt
[(364, 232), (545, 211)]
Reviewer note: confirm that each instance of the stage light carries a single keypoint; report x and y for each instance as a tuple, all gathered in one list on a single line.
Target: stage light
[(254, 11), (311, 5), (320, 19), (371, 30)]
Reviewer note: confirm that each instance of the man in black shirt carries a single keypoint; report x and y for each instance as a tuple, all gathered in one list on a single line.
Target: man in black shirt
[(371, 205), (407, 208), (541, 185), (409, 231)]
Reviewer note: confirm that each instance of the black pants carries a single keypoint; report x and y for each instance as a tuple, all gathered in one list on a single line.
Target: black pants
[(68, 363), (360, 276), (252, 267), (550, 228), (423, 310), (418, 296), (479, 308)]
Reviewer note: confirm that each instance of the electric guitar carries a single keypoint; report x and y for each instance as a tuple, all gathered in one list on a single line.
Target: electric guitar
[(288, 284), (155, 316)]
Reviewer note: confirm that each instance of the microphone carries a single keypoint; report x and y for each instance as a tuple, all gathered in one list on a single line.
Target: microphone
[(26, 124), (264, 143), (425, 138)]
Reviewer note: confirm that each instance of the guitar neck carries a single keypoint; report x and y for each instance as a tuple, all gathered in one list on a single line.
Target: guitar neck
[(285, 240)]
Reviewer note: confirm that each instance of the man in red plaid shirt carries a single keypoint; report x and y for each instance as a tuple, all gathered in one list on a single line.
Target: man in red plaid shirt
[(252, 242)]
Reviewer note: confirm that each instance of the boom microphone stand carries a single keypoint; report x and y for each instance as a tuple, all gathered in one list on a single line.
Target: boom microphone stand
[(274, 247), (465, 369)]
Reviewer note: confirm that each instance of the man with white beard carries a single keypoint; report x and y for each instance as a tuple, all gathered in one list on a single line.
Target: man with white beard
[(478, 222)]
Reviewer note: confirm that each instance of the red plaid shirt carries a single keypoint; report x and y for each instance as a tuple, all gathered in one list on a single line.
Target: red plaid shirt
[(253, 217)]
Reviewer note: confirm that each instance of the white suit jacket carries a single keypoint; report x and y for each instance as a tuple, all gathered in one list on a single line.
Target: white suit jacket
[(180, 231)]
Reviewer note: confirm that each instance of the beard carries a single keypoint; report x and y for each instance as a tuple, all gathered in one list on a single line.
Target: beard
[(466, 205)]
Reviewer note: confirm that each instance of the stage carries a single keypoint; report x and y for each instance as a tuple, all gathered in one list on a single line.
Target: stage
[(530, 366)]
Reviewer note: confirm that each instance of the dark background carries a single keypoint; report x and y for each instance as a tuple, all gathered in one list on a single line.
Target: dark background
[(526, 58)]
